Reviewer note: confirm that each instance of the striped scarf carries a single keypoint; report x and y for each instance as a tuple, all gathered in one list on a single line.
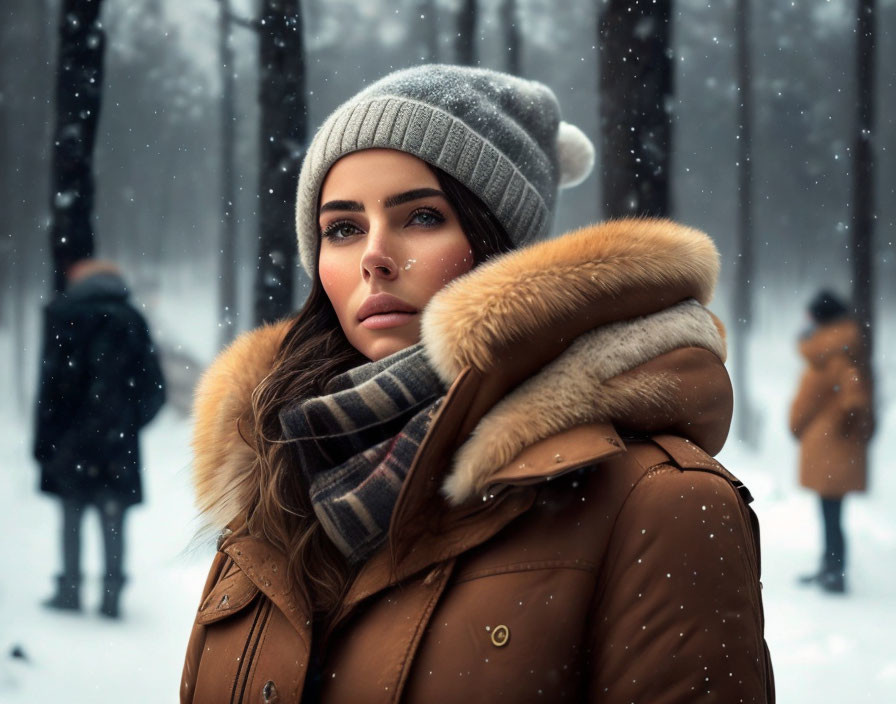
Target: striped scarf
[(356, 444)]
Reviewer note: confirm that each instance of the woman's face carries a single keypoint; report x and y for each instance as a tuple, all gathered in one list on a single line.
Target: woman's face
[(389, 241)]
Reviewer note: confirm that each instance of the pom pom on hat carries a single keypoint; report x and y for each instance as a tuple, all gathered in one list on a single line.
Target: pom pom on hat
[(575, 155)]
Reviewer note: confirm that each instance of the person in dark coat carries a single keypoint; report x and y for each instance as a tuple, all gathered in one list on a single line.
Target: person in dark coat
[(832, 418), (100, 383)]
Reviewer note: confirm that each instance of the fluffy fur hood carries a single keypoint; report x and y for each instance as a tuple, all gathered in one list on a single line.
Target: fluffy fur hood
[(511, 303), (512, 298), (222, 459)]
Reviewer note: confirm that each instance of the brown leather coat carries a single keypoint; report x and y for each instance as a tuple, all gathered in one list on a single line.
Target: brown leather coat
[(580, 545), (832, 414)]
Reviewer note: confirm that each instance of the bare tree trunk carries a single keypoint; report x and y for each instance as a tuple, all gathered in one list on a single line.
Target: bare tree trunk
[(863, 175), (26, 48), (7, 166), (227, 268), (79, 82), (510, 23), (747, 419), (465, 43), (635, 107), (283, 136), (7, 241)]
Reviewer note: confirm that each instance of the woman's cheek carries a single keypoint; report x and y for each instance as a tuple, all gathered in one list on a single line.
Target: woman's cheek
[(438, 271), (337, 280), (457, 262)]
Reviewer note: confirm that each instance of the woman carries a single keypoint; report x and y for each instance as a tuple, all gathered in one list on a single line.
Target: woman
[(831, 416), (463, 472)]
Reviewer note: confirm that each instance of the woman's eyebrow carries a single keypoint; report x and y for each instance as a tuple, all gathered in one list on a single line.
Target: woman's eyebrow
[(354, 206), (350, 205), (415, 194)]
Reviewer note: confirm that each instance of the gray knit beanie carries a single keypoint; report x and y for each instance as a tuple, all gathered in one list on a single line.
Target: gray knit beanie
[(499, 135)]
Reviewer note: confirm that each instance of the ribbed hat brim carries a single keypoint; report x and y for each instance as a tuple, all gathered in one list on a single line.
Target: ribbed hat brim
[(440, 139)]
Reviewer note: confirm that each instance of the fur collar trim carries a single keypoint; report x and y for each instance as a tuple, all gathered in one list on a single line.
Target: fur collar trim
[(512, 298), (507, 302), (223, 461), (582, 386)]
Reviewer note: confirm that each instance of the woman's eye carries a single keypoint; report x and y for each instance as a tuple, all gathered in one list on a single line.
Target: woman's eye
[(427, 217), (339, 231)]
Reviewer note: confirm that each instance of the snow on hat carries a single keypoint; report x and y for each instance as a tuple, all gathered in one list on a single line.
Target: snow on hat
[(499, 135)]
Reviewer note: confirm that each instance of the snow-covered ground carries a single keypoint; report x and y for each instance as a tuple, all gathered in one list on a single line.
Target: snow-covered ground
[(824, 648), (86, 658)]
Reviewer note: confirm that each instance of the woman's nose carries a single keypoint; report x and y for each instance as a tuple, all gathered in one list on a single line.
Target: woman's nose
[(377, 261)]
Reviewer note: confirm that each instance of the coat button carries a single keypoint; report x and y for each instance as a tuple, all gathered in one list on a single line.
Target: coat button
[(500, 636), (269, 693)]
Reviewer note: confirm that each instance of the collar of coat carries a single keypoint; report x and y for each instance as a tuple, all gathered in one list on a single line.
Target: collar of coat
[(548, 351)]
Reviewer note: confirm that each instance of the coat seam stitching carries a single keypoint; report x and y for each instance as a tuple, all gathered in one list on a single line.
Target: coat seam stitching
[(258, 639), (239, 669), (622, 506), (427, 612), (579, 566)]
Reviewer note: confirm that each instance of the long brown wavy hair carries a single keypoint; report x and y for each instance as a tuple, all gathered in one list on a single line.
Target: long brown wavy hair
[(313, 351)]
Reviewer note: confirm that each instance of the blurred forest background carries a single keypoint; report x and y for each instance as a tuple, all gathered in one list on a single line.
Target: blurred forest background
[(163, 143), (770, 125)]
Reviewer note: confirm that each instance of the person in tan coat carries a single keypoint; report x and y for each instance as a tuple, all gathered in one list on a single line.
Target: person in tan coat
[(831, 416), (474, 468)]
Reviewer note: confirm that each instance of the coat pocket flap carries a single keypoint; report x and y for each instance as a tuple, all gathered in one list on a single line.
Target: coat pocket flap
[(231, 594)]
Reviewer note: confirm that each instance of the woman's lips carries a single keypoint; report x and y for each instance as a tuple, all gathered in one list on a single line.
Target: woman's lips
[(383, 310), (381, 321)]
